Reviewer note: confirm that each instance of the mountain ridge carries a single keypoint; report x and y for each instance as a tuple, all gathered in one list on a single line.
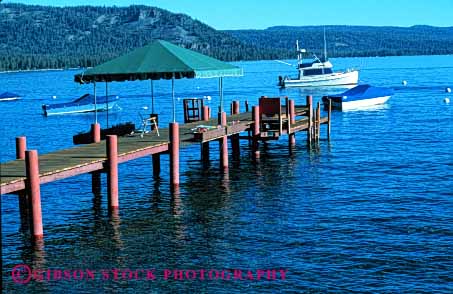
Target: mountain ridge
[(37, 37)]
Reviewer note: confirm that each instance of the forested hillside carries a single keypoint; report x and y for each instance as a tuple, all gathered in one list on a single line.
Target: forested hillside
[(34, 37), (353, 40), (53, 37)]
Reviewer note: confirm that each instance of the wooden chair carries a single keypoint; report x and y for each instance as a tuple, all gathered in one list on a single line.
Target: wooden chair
[(271, 119), (193, 109)]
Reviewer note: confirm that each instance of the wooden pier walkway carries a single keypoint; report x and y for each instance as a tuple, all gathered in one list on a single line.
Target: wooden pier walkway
[(22, 177)]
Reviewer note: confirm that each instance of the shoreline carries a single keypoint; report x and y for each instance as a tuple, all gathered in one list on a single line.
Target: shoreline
[(80, 68)]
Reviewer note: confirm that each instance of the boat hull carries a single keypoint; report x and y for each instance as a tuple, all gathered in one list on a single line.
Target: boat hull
[(79, 109), (9, 99), (334, 79), (342, 105)]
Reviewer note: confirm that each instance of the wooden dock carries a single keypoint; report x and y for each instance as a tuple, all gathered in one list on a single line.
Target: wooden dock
[(25, 174)]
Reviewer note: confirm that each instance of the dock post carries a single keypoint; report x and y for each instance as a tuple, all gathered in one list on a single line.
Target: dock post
[(205, 145), (96, 183), (329, 118), (292, 120), (256, 130), (112, 172), (34, 190), (21, 146), (96, 133), (174, 154), (318, 121), (223, 142), (156, 165), (310, 118), (235, 143), (235, 107)]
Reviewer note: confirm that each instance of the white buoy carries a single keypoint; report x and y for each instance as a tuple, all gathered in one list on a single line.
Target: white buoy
[(447, 100), (54, 97), (208, 97), (145, 107), (448, 90), (404, 82)]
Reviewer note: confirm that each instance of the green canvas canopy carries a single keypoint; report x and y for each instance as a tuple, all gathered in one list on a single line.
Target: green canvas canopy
[(159, 60)]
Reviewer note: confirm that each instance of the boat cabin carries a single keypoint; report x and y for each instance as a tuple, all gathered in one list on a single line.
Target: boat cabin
[(316, 67)]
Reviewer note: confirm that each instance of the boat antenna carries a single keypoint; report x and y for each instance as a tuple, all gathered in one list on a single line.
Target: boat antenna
[(325, 45)]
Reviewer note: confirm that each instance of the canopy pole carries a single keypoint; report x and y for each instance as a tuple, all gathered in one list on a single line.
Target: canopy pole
[(95, 104), (173, 95), (107, 95), (152, 97)]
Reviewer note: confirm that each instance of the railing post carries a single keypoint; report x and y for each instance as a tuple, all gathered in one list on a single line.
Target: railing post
[(34, 190), (174, 154), (112, 172)]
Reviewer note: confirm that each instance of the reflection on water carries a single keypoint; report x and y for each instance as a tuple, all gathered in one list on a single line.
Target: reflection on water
[(378, 107), (367, 206)]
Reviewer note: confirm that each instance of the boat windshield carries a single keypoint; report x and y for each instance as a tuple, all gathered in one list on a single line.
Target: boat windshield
[(317, 71)]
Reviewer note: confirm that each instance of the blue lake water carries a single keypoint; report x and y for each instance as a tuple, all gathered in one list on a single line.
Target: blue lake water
[(371, 211)]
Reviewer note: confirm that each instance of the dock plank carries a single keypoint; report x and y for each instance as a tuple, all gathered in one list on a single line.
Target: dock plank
[(86, 158)]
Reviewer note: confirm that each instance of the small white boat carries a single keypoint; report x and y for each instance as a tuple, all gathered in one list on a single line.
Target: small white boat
[(86, 103), (359, 97), (7, 96), (318, 72)]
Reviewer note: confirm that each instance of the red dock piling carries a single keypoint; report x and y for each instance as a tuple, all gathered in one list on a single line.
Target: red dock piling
[(34, 190), (329, 117), (21, 146), (96, 132), (206, 112), (235, 107), (174, 153), (235, 143), (256, 130), (318, 121), (112, 171), (223, 142), (310, 118), (205, 145), (292, 120), (156, 165), (96, 183)]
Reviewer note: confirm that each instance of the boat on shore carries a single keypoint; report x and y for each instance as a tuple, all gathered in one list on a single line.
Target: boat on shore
[(8, 96), (359, 96), (318, 72), (86, 103)]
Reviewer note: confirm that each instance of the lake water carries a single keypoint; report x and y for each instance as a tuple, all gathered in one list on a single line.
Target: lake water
[(371, 211)]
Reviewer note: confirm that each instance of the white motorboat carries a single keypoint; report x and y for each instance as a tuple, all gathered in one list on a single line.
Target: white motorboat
[(318, 72)]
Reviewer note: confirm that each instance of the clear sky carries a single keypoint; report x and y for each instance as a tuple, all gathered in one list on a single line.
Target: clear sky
[(260, 14)]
